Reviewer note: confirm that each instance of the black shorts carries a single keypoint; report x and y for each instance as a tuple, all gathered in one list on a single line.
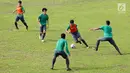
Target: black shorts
[(19, 17), (61, 53), (42, 28), (76, 35)]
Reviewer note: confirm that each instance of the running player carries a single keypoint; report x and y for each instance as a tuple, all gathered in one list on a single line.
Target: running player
[(75, 33), (43, 20), (20, 11)]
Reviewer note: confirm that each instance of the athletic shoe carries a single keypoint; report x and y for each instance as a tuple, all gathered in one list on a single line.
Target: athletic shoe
[(68, 69), (26, 27), (52, 68), (43, 41), (88, 47)]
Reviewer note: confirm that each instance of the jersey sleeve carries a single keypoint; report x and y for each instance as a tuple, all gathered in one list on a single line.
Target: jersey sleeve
[(47, 17), (39, 17), (68, 27), (102, 27), (66, 47), (23, 8)]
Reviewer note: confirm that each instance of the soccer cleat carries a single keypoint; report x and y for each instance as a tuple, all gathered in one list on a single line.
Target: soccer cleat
[(52, 68), (68, 69), (88, 47), (26, 27), (17, 28), (43, 41)]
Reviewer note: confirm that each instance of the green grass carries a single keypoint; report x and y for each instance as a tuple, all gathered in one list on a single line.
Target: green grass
[(22, 52)]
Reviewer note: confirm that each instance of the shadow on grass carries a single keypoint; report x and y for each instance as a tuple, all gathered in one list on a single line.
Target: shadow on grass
[(103, 46), (32, 30), (37, 30), (126, 53), (51, 40), (91, 68)]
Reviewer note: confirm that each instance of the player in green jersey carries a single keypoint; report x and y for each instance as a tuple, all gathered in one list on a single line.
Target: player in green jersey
[(107, 36), (59, 50), (43, 21)]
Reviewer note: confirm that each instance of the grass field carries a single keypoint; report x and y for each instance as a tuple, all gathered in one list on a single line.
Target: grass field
[(22, 52)]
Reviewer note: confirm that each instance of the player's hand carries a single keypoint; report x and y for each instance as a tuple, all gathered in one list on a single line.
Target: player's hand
[(68, 32), (69, 55), (91, 29), (47, 26), (14, 11)]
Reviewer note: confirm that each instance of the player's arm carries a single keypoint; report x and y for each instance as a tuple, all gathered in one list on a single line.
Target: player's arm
[(23, 9), (39, 19), (95, 29), (100, 28), (67, 30), (14, 11), (47, 21), (66, 47)]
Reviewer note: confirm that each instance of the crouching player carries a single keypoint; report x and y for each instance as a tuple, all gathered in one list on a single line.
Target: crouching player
[(61, 43)]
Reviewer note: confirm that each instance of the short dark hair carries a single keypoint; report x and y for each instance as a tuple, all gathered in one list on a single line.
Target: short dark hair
[(71, 21), (107, 22), (63, 35), (44, 9), (20, 2)]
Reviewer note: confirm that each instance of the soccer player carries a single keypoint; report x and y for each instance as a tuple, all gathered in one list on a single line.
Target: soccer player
[(107, 36), (75, 34), (43, 20), (20, 11), (61, 43)]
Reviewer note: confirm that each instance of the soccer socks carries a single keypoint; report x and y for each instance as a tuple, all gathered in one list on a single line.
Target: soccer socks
[(84, 42), (25, 25), (53, 62), (67, 63), (43, 36), (16, 25), (97, 45), (116, 47), (78, 42)]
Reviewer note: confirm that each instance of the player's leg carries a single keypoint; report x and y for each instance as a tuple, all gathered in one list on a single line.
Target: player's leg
[(16, 20), (98, 42), (54, 59), (41, 32), (44, 32), (23, 21), (76, 38), (111, 41), (64, 55), (79, 36), (84, 42)]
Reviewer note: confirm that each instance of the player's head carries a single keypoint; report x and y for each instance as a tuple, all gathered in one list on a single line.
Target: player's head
[(71, 21), (44, 10), (107, 22), (19, 2), (63, 35)]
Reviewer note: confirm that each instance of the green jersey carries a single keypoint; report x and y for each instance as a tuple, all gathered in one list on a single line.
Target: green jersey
[(61, 43), (43, 18), (107, 31)]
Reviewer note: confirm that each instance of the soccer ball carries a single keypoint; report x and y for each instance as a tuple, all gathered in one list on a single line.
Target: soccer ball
[(72, 46)]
